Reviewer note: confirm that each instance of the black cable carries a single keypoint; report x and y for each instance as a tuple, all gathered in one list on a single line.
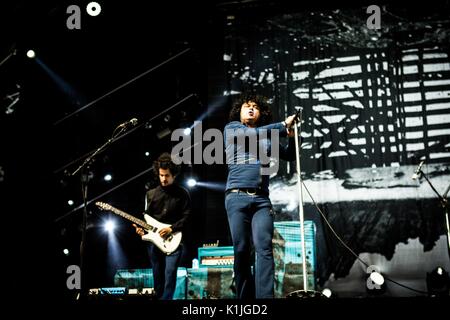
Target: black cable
[(120, 87), (127, 132), (349, 249), (104, 193)]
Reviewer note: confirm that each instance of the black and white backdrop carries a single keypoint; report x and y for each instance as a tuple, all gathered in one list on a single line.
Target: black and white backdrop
[(375, 104)]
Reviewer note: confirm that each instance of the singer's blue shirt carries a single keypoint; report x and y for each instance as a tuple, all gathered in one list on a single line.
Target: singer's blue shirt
[(244, 166)]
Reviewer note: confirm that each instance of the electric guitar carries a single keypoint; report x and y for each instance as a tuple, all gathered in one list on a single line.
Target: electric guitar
[(152, 227)]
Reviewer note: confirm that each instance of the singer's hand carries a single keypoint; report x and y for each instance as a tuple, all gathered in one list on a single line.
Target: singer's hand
[(290, 132), (289, 122)]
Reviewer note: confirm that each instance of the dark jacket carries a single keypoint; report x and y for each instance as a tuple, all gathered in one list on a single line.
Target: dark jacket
[(171, 205)]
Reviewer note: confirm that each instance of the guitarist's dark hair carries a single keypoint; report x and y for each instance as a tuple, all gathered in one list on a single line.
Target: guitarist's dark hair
[(164, 161)]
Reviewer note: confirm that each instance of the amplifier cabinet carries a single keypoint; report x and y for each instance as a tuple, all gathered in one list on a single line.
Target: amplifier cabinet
[(210, 283)]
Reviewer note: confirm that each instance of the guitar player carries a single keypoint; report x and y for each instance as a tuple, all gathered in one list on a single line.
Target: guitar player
[(168, 203)]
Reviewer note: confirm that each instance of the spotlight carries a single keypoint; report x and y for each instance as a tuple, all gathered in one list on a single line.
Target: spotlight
[(377, 278), (438, 283), (187, 131), (109, 226), (70, 202), (191, 183), (31, 54), (66, 252), (93, 9), (163, 133), (327, 292), (375, 283), (216, 186), (147, 153), (107, 177)]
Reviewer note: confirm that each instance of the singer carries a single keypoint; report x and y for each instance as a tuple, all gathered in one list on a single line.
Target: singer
[(247, 202)]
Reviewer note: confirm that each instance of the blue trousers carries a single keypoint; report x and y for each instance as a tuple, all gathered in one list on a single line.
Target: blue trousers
[(251, 219), (164, 272)]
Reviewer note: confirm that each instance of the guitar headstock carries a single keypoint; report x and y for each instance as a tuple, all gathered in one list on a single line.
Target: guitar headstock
[(103, 206)]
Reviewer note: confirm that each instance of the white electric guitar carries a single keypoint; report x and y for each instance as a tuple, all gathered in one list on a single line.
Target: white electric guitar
[(152, 227)]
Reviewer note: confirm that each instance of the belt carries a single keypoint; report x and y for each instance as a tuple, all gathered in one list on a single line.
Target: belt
[(249, 191)]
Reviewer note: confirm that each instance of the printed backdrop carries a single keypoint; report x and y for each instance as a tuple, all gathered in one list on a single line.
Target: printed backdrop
[(375, 104)]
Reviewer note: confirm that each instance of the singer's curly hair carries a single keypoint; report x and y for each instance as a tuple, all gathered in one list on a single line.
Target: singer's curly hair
[(164, 161), (261, 102)]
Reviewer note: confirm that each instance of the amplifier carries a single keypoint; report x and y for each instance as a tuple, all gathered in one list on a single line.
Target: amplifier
[(287, 249), (217, 257), (141, 279), (108, 291), (210, 283), (115, 294)]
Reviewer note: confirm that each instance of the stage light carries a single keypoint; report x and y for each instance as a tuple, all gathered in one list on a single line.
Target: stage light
[(31, 54), (191, 183), (93, 9), (327, 292), (109, 226), (147, 153), (187, 131), (163, 133), (216, 186), (70, 202), (377, 278), (107, 177), (66, 252), (212, 107), (438, 283), (375, 283)]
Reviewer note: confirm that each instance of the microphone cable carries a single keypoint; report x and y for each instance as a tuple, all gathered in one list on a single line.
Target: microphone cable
[(349, 249)]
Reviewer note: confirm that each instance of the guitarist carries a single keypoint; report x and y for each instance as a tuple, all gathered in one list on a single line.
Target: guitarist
[(168, 203)]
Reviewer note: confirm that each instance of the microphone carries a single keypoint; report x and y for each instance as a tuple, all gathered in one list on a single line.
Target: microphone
[(132, 122), (298, 114), (297, 117), (417, 172)]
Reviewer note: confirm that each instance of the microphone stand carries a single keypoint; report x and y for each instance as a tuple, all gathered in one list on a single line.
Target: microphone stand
[(305, 292), (444, 203), (12, 53), (84, 177)]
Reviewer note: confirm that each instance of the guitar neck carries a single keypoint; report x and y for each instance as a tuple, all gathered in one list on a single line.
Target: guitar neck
[(125, 215)]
